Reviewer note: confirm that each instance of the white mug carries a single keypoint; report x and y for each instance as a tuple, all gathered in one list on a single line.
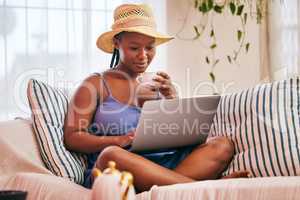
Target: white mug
[(146, 77)]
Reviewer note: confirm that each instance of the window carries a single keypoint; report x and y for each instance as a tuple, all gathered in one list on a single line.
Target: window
[(284, 38), (54, 41)]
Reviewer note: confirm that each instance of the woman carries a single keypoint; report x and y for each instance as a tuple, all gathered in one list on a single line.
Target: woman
[(115, 97)]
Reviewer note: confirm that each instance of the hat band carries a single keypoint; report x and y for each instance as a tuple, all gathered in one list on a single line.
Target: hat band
[(133, 23)]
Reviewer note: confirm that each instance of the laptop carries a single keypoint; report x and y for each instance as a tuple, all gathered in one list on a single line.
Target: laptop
[(173, 123)]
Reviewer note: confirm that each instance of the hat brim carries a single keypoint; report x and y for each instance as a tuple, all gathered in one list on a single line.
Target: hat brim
[(105, 40)]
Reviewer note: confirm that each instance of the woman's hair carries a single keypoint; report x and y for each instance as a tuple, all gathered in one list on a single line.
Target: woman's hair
[(116, 54), (115, 58)]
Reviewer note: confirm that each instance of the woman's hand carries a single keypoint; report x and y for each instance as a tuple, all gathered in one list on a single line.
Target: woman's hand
[(166, 87), (146, 91), (125, 140)]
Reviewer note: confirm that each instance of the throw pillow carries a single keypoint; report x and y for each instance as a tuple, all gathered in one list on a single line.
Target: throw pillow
[(263, 123), (49, 107)]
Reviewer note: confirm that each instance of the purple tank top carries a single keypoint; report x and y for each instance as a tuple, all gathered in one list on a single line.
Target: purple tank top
[(113, 117)]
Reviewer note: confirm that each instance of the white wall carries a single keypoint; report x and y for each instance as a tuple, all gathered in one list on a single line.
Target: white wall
[(186, 63)]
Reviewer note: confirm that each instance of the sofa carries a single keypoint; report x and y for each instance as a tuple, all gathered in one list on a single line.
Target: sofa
[(21, 168)]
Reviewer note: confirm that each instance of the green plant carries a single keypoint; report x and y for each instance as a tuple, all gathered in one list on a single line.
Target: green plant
[(242, 9)]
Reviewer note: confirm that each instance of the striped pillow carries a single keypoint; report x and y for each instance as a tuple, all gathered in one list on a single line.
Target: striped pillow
[(49, 107), (263, 124)]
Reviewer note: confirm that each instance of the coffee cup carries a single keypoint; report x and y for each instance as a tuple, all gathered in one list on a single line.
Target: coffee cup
[(147, 77)]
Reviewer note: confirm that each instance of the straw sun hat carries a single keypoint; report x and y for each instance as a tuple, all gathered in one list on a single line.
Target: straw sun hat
[(136, 18)]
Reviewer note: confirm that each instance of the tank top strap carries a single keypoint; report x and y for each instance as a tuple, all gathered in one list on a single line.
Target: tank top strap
[(104, 82), (106, 85)]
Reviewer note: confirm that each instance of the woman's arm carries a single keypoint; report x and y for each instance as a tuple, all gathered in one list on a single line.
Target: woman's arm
[(80, 114)]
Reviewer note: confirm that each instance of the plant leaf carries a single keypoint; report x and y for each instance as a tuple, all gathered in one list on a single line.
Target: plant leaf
[(203, 7), (210, 5), (200, 8), (213, 46), (229, 59), (239, 35), (245, 17), (240, 10), (232, 7), (258, 15), (216, 62), (247, 47), (235, 57), (212, 33), (218, 9), (196, 31), (207, 60), (212, 77), (196, 3)]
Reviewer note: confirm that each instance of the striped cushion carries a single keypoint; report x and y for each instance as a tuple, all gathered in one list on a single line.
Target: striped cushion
[(263, 124), (49, 107)]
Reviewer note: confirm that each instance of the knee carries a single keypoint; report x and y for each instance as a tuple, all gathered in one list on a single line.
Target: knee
[(222, 147), (110, 153)]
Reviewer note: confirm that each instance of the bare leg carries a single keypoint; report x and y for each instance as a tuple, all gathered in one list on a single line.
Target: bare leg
[(145, 173), (208, 160)]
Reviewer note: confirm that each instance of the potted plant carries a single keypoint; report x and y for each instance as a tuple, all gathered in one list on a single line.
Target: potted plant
[(242, 9)]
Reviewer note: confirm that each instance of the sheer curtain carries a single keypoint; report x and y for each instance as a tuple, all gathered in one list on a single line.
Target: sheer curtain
[(284, 38), (54, 41)]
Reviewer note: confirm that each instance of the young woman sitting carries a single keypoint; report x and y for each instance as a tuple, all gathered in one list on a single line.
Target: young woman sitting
[(104, 112)]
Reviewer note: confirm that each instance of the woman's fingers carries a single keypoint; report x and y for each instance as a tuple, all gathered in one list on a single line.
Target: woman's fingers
[(145, 92), (161, 80), (130, 138), (168, 91), (125, 140), (131, 134), (238, 174), (163, 74), (165, 87)]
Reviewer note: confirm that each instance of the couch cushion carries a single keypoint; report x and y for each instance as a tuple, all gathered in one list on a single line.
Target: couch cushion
[(18, 149), (263, 123), (49, 107)]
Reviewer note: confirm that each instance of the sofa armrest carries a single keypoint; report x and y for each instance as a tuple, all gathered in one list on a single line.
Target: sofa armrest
[(19, 151), (44, 186), (109, 187)]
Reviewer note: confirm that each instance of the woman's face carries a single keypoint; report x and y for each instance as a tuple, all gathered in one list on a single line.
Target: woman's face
[(136, 51)]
